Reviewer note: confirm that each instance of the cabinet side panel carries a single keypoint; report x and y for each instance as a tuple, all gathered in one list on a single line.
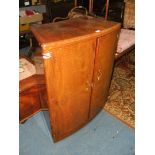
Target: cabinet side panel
[(68, 76), (106, 48)]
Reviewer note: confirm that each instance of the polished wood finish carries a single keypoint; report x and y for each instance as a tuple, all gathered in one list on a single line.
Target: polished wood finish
[(68, 76), (32, 96), (76, 52), (103, 70), (55, 35)]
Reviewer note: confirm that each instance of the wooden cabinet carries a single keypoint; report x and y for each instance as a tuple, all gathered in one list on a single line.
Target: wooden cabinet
[(78, 59)]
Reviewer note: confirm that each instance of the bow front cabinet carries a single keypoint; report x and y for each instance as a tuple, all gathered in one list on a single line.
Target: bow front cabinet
[(78, 62)]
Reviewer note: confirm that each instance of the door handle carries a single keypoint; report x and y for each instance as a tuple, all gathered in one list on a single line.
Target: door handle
[(88, 85), (99, 75), (47, 55)]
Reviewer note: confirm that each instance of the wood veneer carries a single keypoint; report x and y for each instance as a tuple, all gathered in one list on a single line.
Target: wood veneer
[(32, 96), (78, 60)]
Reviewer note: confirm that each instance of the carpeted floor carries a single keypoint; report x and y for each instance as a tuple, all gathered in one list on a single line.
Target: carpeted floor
[(121, 100), (104, 135)]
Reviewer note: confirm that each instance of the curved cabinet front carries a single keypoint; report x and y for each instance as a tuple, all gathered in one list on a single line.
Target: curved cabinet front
[(78, 59), (68, 76), (104, 59), (78, 78)]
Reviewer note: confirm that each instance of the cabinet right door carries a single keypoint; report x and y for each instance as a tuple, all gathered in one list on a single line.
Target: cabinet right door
[(106, 47)]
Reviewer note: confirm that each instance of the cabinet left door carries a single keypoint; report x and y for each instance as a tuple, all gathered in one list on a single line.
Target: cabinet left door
[(68, 75)]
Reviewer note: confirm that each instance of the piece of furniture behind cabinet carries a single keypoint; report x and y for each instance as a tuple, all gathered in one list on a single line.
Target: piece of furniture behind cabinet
[(32, 89), (78, 59)]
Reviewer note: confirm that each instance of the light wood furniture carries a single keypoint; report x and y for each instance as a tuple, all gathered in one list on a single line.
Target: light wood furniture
[(78, 59)]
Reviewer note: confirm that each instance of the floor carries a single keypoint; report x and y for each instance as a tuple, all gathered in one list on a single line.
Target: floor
[(121, 99), (104, 135)]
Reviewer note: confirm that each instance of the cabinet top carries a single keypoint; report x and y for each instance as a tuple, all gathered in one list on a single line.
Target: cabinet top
[(53, 35)]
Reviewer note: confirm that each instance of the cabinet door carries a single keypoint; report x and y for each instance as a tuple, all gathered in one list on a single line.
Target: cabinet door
[(69, 73), (106, 47)]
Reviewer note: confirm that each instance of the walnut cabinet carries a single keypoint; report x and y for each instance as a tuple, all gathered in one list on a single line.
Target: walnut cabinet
[(78, 59)]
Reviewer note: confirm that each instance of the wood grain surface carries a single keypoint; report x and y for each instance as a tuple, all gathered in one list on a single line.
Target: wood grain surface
[(102, 71), (78, 61)]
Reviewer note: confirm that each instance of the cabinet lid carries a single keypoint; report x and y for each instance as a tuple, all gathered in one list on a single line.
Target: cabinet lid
[(53, 35)]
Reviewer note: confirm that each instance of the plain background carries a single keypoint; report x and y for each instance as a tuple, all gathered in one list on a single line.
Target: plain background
[(145, 77)]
